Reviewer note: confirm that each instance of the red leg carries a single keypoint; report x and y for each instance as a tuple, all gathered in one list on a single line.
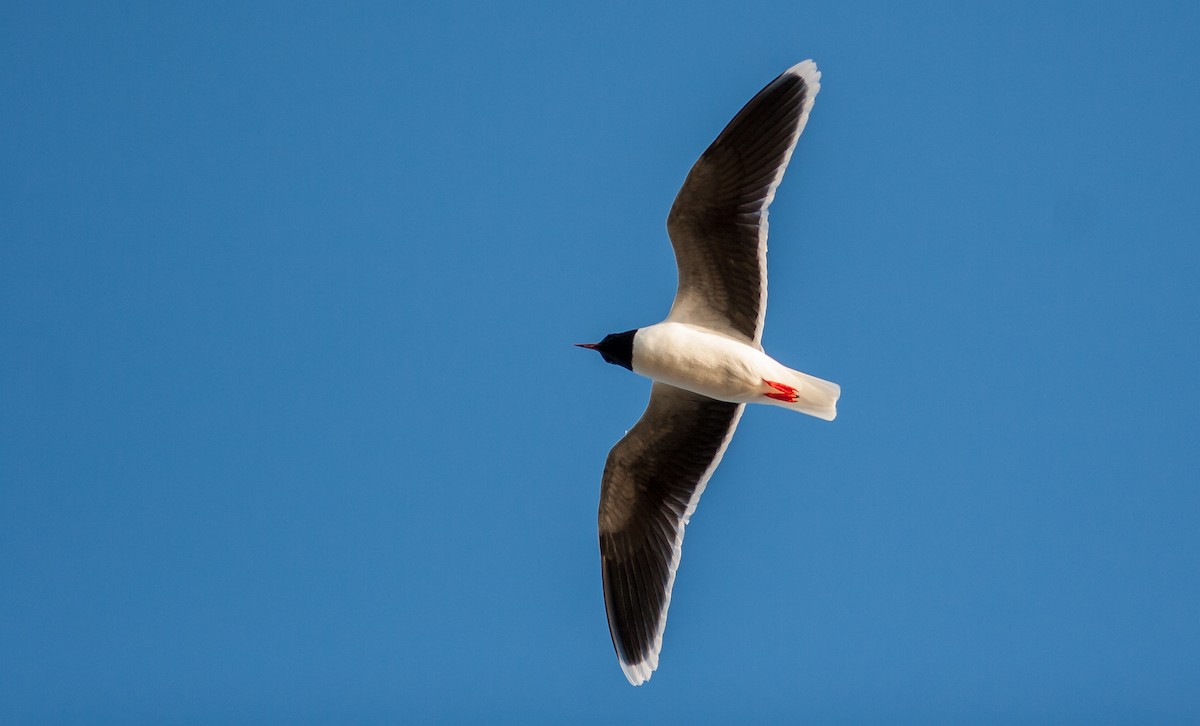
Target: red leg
[(786, 393)]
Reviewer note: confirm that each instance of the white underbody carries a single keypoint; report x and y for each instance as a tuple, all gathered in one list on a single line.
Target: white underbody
[(702, 361)]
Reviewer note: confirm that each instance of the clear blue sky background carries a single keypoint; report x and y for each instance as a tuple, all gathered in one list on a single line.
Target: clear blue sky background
[(291, 429)]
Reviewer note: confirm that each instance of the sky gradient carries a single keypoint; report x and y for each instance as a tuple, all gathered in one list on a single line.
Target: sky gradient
[(292, 431)]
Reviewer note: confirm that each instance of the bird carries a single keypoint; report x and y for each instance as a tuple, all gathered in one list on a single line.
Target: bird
[(706, 361)]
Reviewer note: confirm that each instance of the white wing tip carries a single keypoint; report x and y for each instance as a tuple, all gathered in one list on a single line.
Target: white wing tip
[(640, 672), (807, 70)]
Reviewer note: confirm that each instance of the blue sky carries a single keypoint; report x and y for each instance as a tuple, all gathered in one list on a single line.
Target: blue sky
[(291, 429)]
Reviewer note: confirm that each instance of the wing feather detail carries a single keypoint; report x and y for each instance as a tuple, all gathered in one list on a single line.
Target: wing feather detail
[(718, 223), (652, 482)]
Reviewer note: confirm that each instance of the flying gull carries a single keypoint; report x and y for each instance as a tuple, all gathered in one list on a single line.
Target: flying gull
[(706, 360)]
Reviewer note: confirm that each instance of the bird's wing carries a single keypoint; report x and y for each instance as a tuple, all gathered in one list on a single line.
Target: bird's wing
[(652, 482), (718, 224)]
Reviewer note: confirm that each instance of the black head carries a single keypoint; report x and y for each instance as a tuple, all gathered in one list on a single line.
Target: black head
[(616, 348)]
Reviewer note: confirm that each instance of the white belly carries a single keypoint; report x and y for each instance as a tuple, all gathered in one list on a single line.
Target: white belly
[(702, 362)]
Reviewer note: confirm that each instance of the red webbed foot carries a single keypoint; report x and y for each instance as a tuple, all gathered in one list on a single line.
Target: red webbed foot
[(786, 393)]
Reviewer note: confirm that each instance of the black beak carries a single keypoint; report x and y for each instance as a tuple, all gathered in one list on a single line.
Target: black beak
[(589, 346)]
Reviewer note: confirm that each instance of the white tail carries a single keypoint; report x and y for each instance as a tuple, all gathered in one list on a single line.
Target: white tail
[(814, 396)]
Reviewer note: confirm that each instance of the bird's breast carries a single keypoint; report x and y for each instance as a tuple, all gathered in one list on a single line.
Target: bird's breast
[(700, 361)]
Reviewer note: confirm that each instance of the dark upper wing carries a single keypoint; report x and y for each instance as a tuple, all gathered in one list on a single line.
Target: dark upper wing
[(652, 482), (718, 224)]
